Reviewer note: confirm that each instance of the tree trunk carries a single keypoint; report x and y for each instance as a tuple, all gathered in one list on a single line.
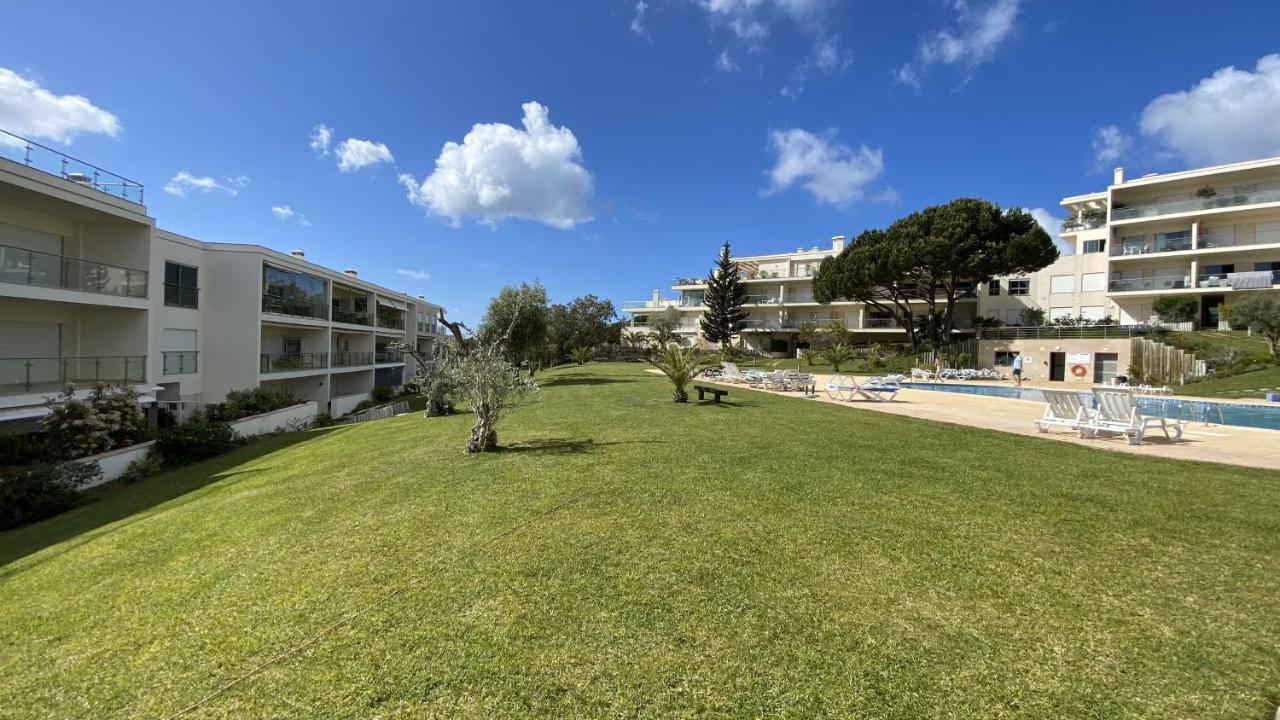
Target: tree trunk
[(680, 396), (483, 437)]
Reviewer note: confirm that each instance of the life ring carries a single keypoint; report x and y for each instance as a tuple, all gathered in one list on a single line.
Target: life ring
[(1079, 370)]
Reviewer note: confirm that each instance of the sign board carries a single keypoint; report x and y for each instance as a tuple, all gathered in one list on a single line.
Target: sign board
[(1078, 358)]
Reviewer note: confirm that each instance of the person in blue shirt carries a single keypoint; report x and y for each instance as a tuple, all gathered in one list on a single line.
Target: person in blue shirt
[(1017, 370)]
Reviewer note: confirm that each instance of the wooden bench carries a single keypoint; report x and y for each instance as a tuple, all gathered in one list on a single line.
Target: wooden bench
[(716, 393)]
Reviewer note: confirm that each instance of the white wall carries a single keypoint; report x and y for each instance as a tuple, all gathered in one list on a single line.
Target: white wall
[(290, 418)]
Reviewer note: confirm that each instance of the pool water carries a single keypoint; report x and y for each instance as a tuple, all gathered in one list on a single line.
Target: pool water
[(1200, 411)]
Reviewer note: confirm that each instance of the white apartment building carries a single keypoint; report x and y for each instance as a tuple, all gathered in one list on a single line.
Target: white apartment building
[(779, 300), (92, 291)]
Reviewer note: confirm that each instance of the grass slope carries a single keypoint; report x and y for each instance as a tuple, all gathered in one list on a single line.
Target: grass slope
[(1252, 384), (631, 557)]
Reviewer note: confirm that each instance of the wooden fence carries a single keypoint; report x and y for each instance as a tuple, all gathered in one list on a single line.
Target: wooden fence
[(377, 413), (1157, 362)]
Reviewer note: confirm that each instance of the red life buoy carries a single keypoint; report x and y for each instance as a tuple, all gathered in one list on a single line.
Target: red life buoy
[(1079, 370)]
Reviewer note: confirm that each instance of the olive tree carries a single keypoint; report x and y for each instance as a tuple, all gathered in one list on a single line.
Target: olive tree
[(1261, 314)]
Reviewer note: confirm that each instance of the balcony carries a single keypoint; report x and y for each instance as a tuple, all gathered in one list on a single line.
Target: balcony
[(1076, 224), (388, 356), (1175, 281), (19, 376), (1232, 236), (646, 304), (1246, 280), (298, 308), (29, 267), (765, 299), (800, 297), (46, 159), (1158, 243), (351, 359), (292, 362), (390, 321), (352, 317), (880, 323), (1170, 207), (179, 362)]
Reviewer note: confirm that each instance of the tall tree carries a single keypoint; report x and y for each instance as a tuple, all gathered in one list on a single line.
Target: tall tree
[(586, 322), (664, 327), (725, 296), (1261, 314), (517, 315), (876, 270)]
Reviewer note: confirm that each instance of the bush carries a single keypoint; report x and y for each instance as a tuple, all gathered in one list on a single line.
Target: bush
[(381, 393), (196, 439), (20, 449), (109, 418), (39, 491), (141, 469), (1176, 308), (248, 402), (409, 390)]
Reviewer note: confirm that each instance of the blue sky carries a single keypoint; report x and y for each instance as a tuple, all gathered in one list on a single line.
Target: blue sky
[(658, 129)]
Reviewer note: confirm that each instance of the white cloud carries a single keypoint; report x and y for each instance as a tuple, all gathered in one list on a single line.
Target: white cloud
[(354, 154), (833, 173), (499, 171), (973, 39), (414, 274), (282, 212), (725, 63), (1051, 224), (33, 112), (184, 182), (321, 136), (1229, 116), (827, 57), (1110, 145), (637, 20), (750, 20)]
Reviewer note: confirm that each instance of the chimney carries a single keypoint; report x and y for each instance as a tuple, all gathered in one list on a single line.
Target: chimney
[(350, 272), (657, 297), (422, 297), (1119, 176), (298, 254), (837, 244)]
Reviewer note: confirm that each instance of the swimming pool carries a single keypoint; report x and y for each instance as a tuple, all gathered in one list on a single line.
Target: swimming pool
[(1200, 411)]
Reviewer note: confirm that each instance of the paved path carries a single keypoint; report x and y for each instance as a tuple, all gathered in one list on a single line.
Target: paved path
[(1249, 447)]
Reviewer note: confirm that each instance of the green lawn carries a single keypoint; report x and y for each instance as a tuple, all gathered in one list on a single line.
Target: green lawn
[(1252, 384), (629, 557)]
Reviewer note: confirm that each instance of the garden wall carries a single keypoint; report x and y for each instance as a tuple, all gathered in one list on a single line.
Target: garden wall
[(114, 462), (291, 418), (344, 404)]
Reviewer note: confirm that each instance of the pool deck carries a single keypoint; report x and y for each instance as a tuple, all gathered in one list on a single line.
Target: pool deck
[(1249, 447)]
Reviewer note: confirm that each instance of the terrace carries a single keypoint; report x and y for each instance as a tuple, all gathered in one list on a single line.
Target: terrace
[(41, 269), (80, 173), (21, 376)]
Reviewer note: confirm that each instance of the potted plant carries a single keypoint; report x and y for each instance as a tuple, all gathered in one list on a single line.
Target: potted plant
[(1206, 192)]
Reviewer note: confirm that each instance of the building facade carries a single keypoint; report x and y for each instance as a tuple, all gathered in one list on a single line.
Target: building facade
[(92, 291)]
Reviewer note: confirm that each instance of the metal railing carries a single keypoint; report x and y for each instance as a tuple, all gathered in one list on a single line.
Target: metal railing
[(1170, 207), (1038, 332), (388, 356), (298, 308), (352, 317), (390, 321), (29, 375), (289, 362), (31, 267), (179, 362), (45, 159), (350, 359)]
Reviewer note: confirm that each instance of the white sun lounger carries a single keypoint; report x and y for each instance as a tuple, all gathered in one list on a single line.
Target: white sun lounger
[(846, 388), (1062, 408), (1117, 412)]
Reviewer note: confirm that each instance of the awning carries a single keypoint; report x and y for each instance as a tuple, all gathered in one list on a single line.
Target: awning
[(385, 302)]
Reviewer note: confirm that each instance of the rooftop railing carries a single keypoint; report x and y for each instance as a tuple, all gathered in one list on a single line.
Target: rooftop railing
[(29, 267), (46, 159), (1169, 207), (19, 376)]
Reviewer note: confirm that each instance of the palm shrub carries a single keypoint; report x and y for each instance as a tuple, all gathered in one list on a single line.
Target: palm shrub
[(681, 365), (809, 355), (837, 355), (582, 355)]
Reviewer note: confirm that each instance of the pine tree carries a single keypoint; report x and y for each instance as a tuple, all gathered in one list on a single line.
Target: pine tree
[(724, 298)]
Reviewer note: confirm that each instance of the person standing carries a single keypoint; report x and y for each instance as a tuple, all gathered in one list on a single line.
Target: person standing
[(1017, 369)]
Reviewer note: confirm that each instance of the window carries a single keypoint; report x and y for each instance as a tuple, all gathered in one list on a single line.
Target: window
[(292, 346), (293, 293), (1004, 358), (180, 285), (1019, 287), (1057, 313), (1092, 282), (1093, 313), (1095, 246), (993, 288), (1062, 283), (1272, 266)]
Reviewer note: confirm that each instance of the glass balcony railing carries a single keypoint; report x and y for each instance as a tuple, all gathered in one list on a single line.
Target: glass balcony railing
[(19, 376), (46, 159), (1156, 282), (352, 317), (1156, 244), (881, 322), (290, 362), (800, 297), (298, 308), (29, 267), (350, 359), (180, 362), (766, 299), (1170, 207), (391, 321), (1223, 280), (388, 356)]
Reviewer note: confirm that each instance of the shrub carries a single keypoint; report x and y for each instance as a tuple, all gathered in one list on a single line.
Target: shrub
[(39, 491), (196, 439), (321, 420), (248, 402), (837, 355), (1176, 308), (409, 390), (582, 355), (109, 418), (141, 469), (19, 449), (381, 393)]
